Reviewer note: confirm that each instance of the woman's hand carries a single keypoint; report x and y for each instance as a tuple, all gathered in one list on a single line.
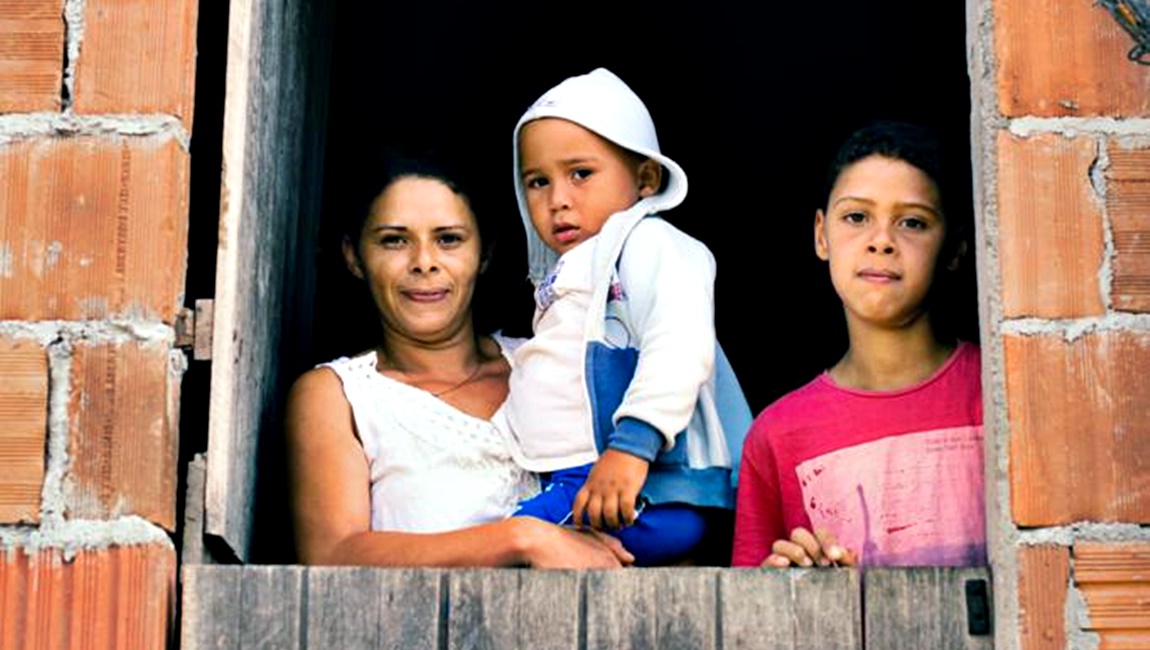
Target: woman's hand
[(547, 546), (807, 549), (608, 496)]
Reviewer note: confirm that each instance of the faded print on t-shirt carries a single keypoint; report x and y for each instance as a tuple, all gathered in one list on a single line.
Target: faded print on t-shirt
[(909, 500)]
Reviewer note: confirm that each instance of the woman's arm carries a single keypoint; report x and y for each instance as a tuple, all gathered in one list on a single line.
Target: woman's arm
[(331, 504)]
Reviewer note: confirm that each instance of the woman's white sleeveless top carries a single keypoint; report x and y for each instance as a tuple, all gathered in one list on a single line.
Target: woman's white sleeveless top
[(433, 467)]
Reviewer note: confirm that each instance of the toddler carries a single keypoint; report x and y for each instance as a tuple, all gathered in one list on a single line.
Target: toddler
[(621, 400)]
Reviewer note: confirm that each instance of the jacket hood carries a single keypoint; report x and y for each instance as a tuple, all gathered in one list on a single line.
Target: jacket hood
[(600, 102)]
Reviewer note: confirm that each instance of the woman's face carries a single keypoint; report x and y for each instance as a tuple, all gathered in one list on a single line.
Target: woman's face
[(419, 251)]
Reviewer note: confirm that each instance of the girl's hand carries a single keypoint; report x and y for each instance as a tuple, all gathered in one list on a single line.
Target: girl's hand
[(608, 497), (806, 549)]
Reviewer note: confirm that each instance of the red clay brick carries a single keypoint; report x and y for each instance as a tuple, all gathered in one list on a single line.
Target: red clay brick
[(1043, 577), (93, 228), (1114, 579), (120, 597), (31, 55), (1059, 58), (1112, 562), (24, 412), (1079, 427), (1118, 606), (1128, 206), (139, 56), (1051, 244), (1124, 640), (124, 439)]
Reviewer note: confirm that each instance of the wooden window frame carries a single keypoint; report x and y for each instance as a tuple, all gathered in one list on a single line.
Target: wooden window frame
[(273, 148)]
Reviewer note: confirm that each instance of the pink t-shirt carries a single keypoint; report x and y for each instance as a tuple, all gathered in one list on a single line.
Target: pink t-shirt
[(896, 476)]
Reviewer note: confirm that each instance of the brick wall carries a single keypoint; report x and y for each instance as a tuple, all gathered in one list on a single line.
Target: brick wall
[(95, 121), (1062, 132)]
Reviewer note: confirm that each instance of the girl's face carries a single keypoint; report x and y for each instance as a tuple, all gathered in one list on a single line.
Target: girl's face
[(882, 232), (419, 251)]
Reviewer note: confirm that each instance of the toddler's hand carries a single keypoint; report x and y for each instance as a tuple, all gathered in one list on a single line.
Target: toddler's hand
[(806, 549), (608, 497)]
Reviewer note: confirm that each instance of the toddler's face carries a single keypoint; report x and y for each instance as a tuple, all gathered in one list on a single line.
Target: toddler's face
[(574, 180), (882, 233)]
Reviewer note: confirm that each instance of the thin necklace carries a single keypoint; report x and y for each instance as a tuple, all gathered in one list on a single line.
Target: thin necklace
[(466, 379), (389, 364)]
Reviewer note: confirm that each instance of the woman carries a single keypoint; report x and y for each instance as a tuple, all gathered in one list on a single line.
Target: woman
[(393, 457)]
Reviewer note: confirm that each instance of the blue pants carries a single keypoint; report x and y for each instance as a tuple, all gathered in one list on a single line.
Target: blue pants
[(661, 535)]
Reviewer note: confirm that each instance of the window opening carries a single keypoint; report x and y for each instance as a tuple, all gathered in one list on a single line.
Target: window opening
[(752, 101)]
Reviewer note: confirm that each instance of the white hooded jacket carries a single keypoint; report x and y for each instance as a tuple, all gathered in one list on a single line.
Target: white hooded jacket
[(652, 365)]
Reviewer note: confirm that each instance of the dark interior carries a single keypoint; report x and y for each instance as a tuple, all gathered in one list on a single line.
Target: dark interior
[(751, 102)]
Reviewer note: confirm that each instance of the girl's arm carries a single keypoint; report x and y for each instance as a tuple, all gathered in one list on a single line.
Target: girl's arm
[(758, 506), (331, 503)]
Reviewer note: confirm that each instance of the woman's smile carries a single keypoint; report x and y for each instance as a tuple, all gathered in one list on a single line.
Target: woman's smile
[(420, 253), (425, 295)]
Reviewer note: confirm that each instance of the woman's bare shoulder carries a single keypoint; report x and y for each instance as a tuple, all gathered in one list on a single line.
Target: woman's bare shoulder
[(317, 402), (318, 383)]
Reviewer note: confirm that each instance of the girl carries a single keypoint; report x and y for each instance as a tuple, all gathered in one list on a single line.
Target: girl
[(878, 461)]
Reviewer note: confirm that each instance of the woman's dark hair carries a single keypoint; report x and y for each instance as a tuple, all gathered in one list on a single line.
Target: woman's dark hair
[(396, 164)]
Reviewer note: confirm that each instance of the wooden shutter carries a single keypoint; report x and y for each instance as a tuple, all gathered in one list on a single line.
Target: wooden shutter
[(274, 121)]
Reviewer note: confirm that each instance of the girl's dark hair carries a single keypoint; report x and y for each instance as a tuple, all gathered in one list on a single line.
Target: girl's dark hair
[(917, 145), (396, 164)]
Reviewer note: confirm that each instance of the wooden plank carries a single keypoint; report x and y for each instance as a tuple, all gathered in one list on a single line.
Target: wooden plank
[(202, 334), (272, 606), (483, 609), (790, 609), (211, 607), (501, 608), (373, 608), (550, 608), (621, 610), (275, 99), (295, 607), (671, 608), (184, 328), (921, 608), (754, 606), (685, 605), (902, 607), (343, 607), (827, 609), (193, 551), (411, 609)]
